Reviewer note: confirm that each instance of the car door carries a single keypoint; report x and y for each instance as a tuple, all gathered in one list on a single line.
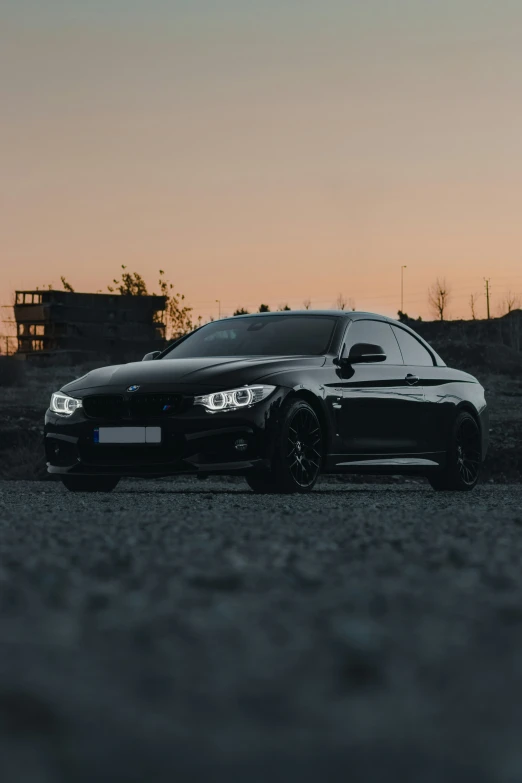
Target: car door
[(381, 407), (420, 363)]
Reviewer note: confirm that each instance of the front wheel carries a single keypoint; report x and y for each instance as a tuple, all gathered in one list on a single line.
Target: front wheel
[(90, 483), (463, 457), (297, 460)]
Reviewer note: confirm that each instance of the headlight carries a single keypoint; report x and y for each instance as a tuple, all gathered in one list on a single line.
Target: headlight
[(63, 404), (234, 399)]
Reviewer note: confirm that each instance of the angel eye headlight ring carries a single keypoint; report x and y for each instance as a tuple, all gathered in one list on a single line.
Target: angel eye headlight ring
[(63, 404), (234, 399)]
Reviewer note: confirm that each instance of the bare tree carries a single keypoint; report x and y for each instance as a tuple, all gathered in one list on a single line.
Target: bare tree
[(307, 303), (439, 295), (341, 302), (351, 303), (510, 302), (473, 305)]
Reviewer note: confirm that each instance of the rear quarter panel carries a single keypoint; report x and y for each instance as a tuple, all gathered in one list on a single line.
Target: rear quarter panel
[(447, 391)]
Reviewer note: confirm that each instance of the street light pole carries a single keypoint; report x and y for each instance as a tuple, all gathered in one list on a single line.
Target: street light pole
[(219, 307), (402, 286)]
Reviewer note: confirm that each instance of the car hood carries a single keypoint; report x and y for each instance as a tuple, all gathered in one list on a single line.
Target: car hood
[(216, 373)]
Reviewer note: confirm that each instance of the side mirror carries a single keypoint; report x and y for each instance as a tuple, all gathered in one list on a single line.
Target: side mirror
[(365, 352), (150, 356)]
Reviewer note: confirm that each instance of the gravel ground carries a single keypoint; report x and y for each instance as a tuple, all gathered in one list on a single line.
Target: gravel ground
[(193, 631)]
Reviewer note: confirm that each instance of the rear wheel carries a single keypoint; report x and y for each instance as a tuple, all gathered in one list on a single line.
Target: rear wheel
[(463, 457), (90, 483), (297, 461)]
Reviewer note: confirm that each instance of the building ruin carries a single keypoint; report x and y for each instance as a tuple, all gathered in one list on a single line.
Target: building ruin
[(73, 325)]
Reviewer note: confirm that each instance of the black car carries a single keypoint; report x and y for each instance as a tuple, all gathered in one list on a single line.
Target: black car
[(277, 398)]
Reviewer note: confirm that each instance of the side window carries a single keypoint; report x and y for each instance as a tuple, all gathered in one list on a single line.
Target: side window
[(412, 350), (376, 333)]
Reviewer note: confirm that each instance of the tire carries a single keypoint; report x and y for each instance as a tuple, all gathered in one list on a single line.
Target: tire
[(296, 464), (463, 457), (90, 483)]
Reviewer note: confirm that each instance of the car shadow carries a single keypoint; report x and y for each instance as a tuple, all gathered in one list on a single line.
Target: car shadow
[(249, 493)]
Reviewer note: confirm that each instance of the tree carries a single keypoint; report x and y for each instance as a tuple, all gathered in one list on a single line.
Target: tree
[(404, 317), (240, 311), (131, 284), (473, 305), (264, 308), (510, 302), (307, 304), (439, 295), (178, 317), (341, 302), (66, 286), (281, 308)]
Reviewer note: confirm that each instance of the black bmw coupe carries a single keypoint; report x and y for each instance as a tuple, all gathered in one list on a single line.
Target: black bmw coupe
[(277, 398)]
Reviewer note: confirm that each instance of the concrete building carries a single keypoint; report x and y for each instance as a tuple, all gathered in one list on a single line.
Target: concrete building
[(62, 323)]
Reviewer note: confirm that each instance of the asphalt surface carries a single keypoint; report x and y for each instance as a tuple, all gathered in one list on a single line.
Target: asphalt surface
[(188, 630)]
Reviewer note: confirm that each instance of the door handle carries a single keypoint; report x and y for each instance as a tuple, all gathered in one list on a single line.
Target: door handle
[(411, 379)]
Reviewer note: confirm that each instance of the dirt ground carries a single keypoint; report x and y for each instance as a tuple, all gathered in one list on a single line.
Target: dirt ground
[(185, 630)]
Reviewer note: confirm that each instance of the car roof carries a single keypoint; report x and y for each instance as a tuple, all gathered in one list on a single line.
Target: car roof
[(338, 313), (353, 315)]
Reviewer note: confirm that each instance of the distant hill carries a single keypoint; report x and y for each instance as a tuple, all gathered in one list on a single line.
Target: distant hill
[(493, 345)]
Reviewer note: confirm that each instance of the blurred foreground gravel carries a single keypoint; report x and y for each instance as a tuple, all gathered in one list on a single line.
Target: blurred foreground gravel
[(186, 631)]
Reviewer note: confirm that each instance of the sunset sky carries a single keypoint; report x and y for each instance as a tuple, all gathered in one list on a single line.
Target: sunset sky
[(266, 151)]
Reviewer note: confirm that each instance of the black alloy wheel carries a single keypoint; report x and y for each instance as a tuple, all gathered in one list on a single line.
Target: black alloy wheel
[(90, 483), (303, 447), (297, 461), (463, 459)]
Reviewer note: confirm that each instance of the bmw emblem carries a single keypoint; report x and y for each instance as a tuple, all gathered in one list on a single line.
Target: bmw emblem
[(133, 388)]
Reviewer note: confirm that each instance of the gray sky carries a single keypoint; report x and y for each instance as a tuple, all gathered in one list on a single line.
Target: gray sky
[(267, 151)]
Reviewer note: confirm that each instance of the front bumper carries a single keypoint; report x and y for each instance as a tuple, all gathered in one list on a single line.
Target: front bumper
[(193, 441)]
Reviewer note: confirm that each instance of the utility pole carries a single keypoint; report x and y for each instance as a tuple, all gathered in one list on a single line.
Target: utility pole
[(219, 307), (487, 281), (402, 286)]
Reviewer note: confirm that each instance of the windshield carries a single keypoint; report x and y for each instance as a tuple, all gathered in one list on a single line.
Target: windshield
[(288, 335)]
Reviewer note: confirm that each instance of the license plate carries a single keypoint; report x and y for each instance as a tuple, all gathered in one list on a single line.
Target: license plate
[(127, 435)]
